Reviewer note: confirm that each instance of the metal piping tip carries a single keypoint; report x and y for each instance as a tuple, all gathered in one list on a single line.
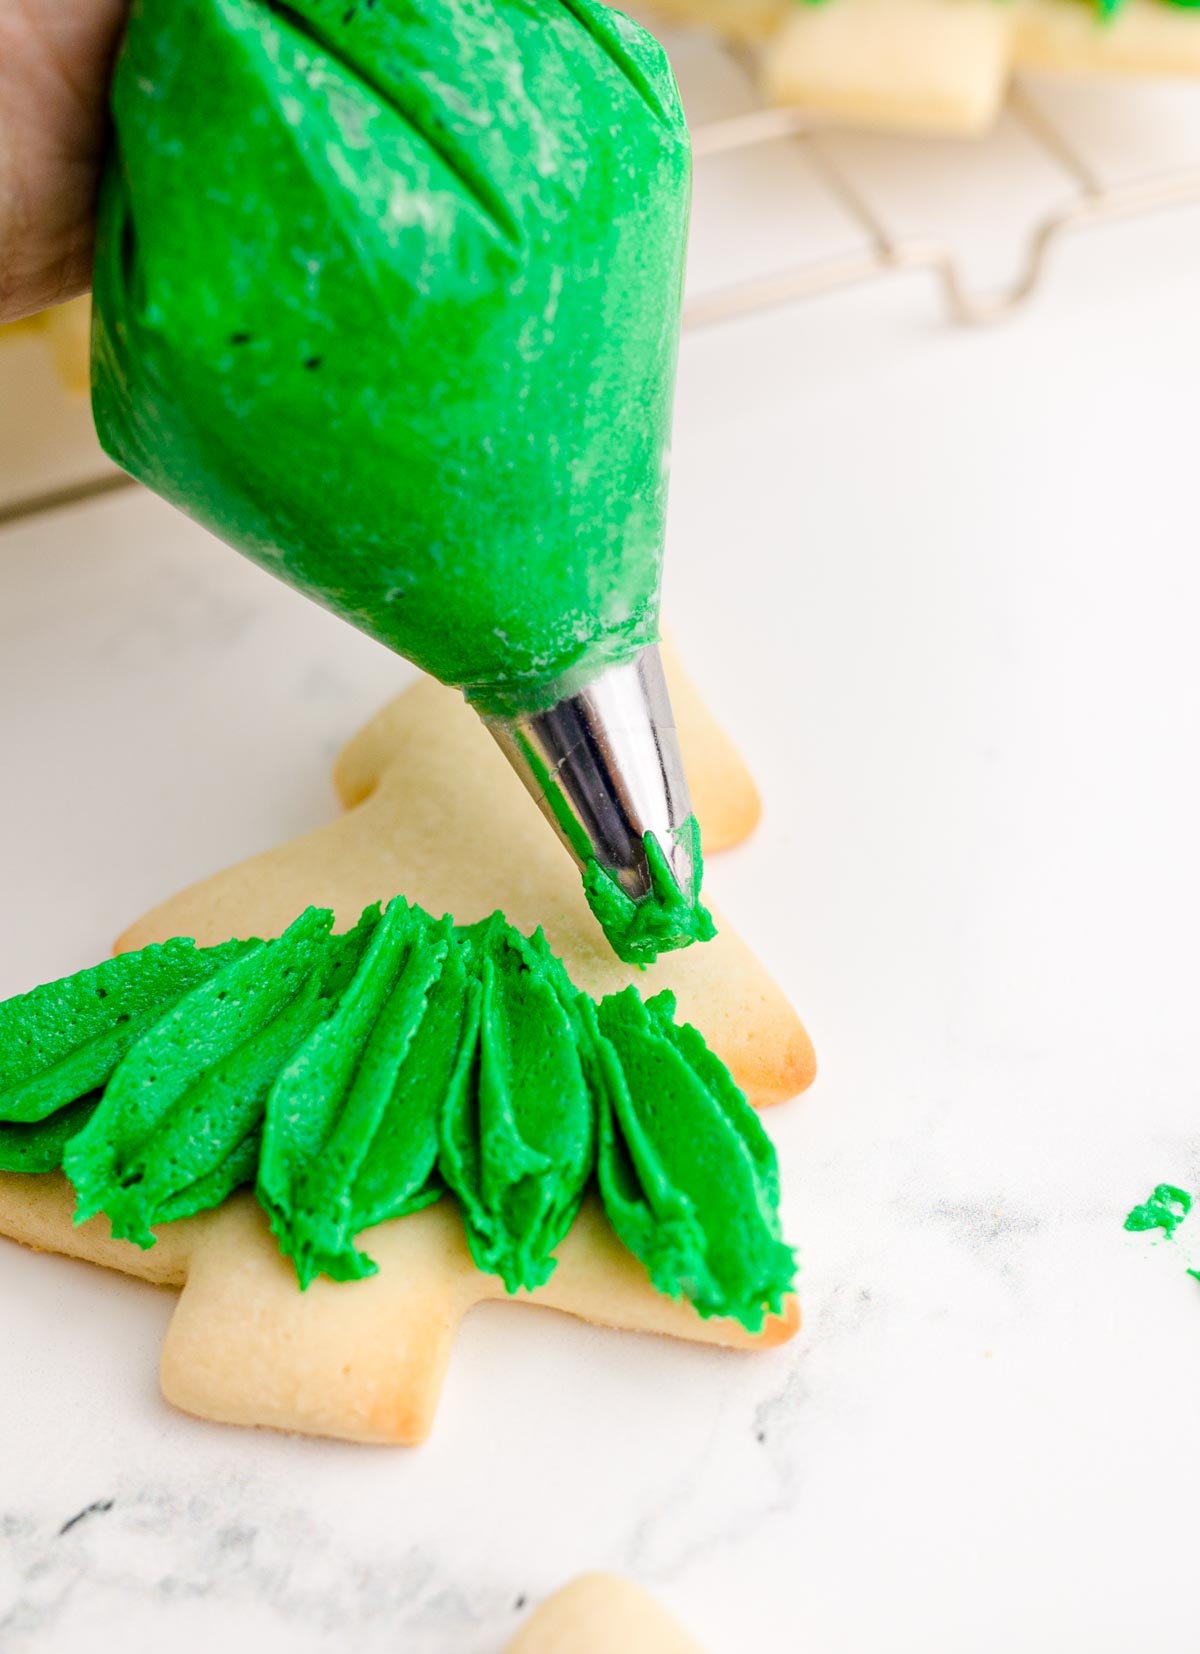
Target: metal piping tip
[(605, 767)]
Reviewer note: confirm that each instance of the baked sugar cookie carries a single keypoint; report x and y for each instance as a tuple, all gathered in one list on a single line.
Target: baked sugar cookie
[(941, 65), (925, 64), (602, 1614), (362, 1362), (1146, 37), (364, 1359), (741, 20)]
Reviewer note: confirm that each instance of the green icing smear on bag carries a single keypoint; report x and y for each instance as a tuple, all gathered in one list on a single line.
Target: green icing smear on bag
[(356, 1078)]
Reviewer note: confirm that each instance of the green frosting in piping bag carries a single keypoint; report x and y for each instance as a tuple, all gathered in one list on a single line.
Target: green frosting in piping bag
[(388, 296), (670, 918), (356, 1078)]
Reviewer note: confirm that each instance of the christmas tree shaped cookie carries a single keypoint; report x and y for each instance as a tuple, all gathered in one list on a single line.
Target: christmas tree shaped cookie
[(421, 1109)]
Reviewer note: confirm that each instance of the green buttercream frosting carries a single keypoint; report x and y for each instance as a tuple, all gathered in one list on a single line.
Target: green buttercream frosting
[(669, 917), (688, 1176), (387, 294), (38, 1145), (518, 1132), (66, 1038), (351, 1122), (356, 1078), (194, 1086)]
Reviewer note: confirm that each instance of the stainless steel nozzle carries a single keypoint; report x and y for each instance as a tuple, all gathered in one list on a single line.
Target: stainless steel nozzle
[(605, 767)]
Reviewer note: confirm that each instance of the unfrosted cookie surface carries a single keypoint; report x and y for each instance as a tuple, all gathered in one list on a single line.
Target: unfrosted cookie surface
[(361, 1362)]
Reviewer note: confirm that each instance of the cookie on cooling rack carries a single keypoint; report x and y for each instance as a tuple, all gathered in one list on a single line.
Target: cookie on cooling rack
[(941, 65)]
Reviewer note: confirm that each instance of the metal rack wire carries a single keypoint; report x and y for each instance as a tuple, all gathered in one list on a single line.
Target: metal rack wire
[(1091, 204)]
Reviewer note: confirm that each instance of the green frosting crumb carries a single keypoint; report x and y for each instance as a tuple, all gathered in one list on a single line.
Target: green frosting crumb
[(355, 1078), (1166, 1209), (667, 918)]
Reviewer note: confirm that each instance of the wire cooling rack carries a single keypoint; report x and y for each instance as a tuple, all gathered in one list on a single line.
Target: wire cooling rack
[(1089, 204)]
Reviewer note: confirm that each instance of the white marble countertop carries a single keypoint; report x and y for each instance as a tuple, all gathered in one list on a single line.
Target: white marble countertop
[(944, 586)]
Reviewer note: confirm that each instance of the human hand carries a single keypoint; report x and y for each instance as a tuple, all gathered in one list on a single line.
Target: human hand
[(55, 57)]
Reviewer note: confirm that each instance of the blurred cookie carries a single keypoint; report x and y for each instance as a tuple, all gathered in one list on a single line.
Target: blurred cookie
[(940, 65), (602, 1614), (66, 331)]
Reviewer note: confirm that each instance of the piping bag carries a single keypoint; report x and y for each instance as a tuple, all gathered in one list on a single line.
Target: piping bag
[(387, 295)]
